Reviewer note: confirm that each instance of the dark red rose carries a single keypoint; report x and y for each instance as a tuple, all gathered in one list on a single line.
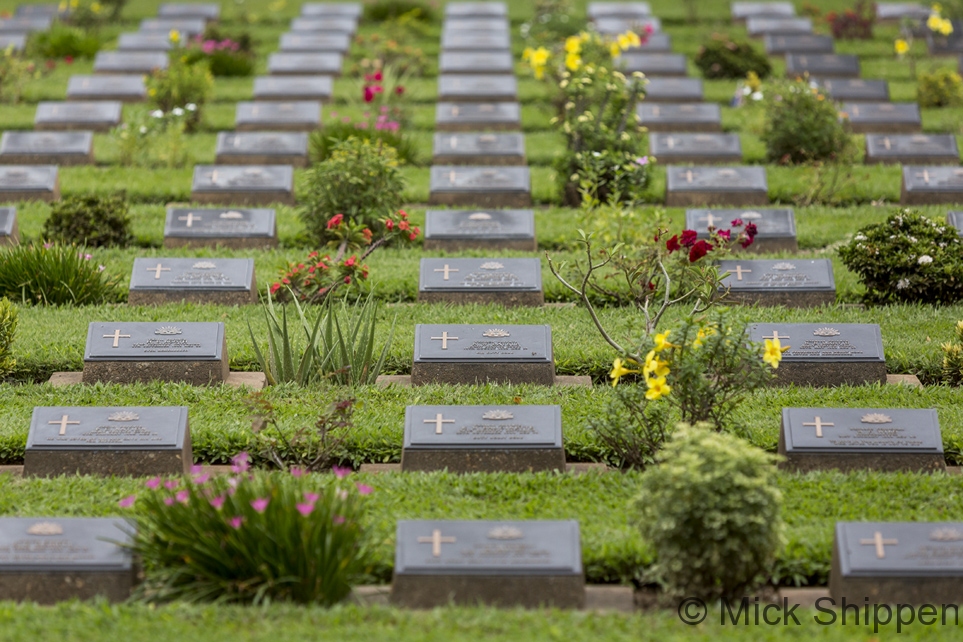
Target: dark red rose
[(724, 234), (751, 230), (689, 238), (672, 244), (698, 250)]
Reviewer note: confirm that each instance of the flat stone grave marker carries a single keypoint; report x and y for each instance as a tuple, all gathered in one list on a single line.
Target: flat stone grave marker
[(325, 25), (300, 115), (822, 65), (253, 185), (140, 41), (804, 43), (473, 439), (490, 62), (343, 9), (673, 90), (123, 88), (13, 41), (334, 42), (618, 10), (9, 230), (482, 41), (53, 559), (41, 148), (99, 116), (653, 64), (29, 183), (487, 26), (883, 118), (508, 282), (262, 148), (912, 149), (459, 116), (230, 228), (130, 62), (702, 185), (478, 149), (680, 117), (856, 90), (25, 24), (218, 281), (775, 228), (452, 230), (510, 564), (52, 10), (898, 11), (932, 185), (316, 89), (482, 88), (824, 355), (123, 441), (209, 12), (304, 64), (758, 27), (660, 42), (695, 148), (128, 352), (898, 563), (953, 218), (477, 354), (615, 26), (742, 11), (480, 186), (847, 439), (476, 10), (188, 27), (797, 283)]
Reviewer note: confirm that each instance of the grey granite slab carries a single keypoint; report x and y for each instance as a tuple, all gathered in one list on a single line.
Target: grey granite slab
[(101, 115), (883, 118), (14, 41), (125, 88), (297, 42), (931, 185), (482, 427), (343, 9), (866, 430), (462, 229), (315, 89), (48, 544), (508, 186), (822, 65), (476, 10), (219, 223), (488, 62), (29, 182), (775, 228), (457, 343), (674, 90), (897, 11), (129, 62), (653, 64), (41, 10), (799, 44), (150, 341), (660, 42), (796, 283), (304, 64), (745, 10), (484, 88), (814, 342), (207, 11), (259, 182), (188, 27), (141, 41), (25, 24), (478, 41), (618, 10), (114, 428), (462, 116), (778, 26), (488, 26), (478, 149), (61, 148), (744, 185), (680, 117), (615, 26), (695, 148), (9, 230), (468, 275), (197, 274), (281, 116), (956, 220), (332, 24), (912, 149), (262, 148), (856, 90)]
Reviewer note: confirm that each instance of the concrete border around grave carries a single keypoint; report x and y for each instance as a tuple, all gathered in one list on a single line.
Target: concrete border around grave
[(198, 372), (43, 195), (252, 380), (823, 374), (430, 591), (481, 372), (53, 586), (482, 460), (790, 298), (507, 298)]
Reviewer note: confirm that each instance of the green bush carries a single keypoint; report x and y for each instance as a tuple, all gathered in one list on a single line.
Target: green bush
[(360, 179), (802, 125), (710, 510), (953, 358), (54, 275), (62, 41), (95, 221), (384, 10), (8, 326), (250, 538), (724, 57), (941, 88), (182, 85), (909, 258), (225, 55), (323, 141)]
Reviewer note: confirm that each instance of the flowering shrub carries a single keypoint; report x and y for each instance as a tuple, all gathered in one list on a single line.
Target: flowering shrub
[(15, 72), (65, 41), (154, 138), (250, 537), (953, 358), (940, 88), (8, 327), (224, 57), (855, 23), (310, 450), (387, 10), (937, 23), (803, 126), (724, 57), (91, 14), (909, 258), (376, 127), (52, 274), (95, 221), (389, 48), (181, 84)]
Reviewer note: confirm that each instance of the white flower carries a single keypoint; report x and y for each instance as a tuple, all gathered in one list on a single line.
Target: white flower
[(925, 259), (157, 113), (746, 91), (860, 237), (757, 95), (902, 284), (177, 111), (143, 130), (190, 106)]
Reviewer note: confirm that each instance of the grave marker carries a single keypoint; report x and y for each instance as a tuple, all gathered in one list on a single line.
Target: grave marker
[(262, 148), (230, 228), (25, 24), (128, 352), (775, 228), (655, 43), (702, 185), (44, 10), (799, 44), (956, 220), (912, 149), (510, 564), (304, 64), (467, 26), (341, 9), (825, 355), (931, 185), (315, 89), (130, 62), (207, 11), (14, 41), (9, 230), (125, 441), (480, 186), (188, 27), (41, 148), (762, 26), (453, 230), (478, 88), (695, 148), (742, 11), (482, 41), (822, 65), (126, 89), (252, 185), (319, 42), (471, 117), (653, 64), (673, 90), (476, 354), (794, 284), (616, 26), (332, 24), (680, 117), (469, 439), (478, 149), (29, 183), (883, 118), (281, 116), (490, 62), (99, 116), (623, 10), (215, 281), (140, 41), (508, 282), (476, 10), (856, 90), (898, 11)]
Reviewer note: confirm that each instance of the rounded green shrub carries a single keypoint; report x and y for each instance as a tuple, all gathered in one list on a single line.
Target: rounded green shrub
[(941, 88), (384, 10), (54, 275), (94, 221), (802, 125), (8, 326), (710, 510), (724, 57)]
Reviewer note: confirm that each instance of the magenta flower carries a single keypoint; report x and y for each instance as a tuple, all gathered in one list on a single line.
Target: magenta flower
[(201, 479), (297, 472), (218, 502), (642, 160), (169, 501), (47, 246), (369, 94), (364, 489), (332, 114), (153, 483), (197, 469), (305, 509), (311, 497), (240, 463), (736, 222), (208, 46), (725, 234), (340, 471), (235, 522), (260, 504), (170, 484), (338, 519), (183, 496), (128, 501)]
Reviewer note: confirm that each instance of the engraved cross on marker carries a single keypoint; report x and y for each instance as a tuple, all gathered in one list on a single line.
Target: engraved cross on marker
[(116, 336), (689, 175), (776, 336), (879, 543), (438, 421), (446, 270), (436, 540), (444, 338), (454, 142), (818, 425), (451, 176), (157, 269), (739, 271), (670, 142), (925, 176), (710, 220), (886, 142), (63, 423), (190, 218)]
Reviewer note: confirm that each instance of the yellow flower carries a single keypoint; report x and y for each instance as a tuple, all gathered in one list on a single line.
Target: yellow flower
[(152, 92), (661, 341), (655, 366), (934, 21), (773, 352), (901, 46), (74, 4), (946, 28), (623, 41), (95, 7), (658, 388), (573, 61), (573, 45), (619, 370), (527, 54), (614, 50), (701, 336), (174, 36), (937, 7), (753, 81), (540, 57), (634, 40)]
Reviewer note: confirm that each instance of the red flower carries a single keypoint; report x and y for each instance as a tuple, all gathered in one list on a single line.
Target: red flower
[(736, 222), (275, 287), (412, 236), (378, 89), (699, 249), (399, 90), (350, 262), (347, 280), (69, 60), (403, 226), (367, 235), (402, 214), (389, 224), (378, 76), (746, 243), (672, 244), (369, 94), (725, 234), (689, 238), (335, 221), (751, 230)]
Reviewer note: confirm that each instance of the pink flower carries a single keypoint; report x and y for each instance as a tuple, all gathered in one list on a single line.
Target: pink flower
[(378, 76), (240, 462), (297, 472), (235, 522), (209, 46), (399, 90), (736, 222), (340, 472), (201, 479), (364, 489), (369, 94), (170, 484), (47, 246), (169, 501), (305, 509), (218, 502), (392, 126), (128, 501), (311, 497), (183, 496), (346, 119), (261, 504), (153, 483), (642, 160), (725, 234), (335, 220), (338, 519), (197, 469)]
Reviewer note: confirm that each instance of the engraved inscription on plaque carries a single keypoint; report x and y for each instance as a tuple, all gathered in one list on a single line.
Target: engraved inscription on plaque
[(192, 274), (825, 343), (96, 428), (219, 222), (795, 274), (479, 223), (57, 543), (861, 430), (144, 341), (482, 343), (770, 223), (439, 427), (900, 549), (464, 275)]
